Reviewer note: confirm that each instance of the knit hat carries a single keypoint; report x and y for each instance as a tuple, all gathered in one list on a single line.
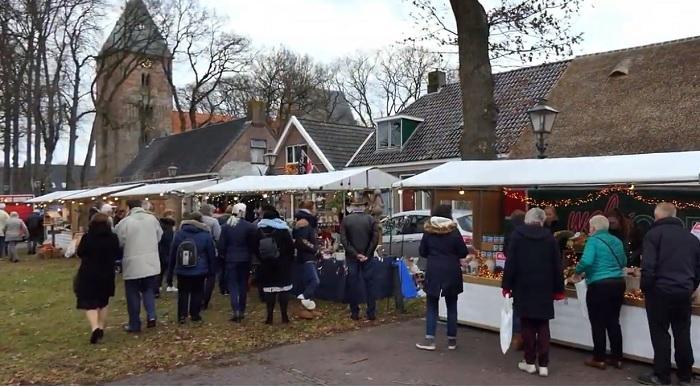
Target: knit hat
[(239, 209)]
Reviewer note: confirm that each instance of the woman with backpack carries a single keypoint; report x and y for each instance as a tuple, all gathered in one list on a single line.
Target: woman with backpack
[(276, 252), (191, 256)]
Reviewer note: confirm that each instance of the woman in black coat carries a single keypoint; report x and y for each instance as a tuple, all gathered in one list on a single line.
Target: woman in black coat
[(276, 252), (534, 276), (94, 283), (444, 249)]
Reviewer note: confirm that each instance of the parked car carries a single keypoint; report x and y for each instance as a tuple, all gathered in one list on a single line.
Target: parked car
[(403, 232)]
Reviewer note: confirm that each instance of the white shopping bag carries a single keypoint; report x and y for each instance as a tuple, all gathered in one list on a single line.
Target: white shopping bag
[(581, 289), (506, 324)]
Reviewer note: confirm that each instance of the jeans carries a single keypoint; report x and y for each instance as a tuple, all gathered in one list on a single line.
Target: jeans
[(604, 300), (361, 272), (189, 296), (674, 310), (535, 334), (310, 278), (135, 290), (12, 251), (237, 275), (431, 316)]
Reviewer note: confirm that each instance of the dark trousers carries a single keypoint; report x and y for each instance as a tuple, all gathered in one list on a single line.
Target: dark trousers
[(670, 310), (535, 334), (604, 300), (137, 290), (209, 284), (33, 243), (310, 278), (431, 316), (2, 246), (270, 300), (237, 275), (361, 273), (189, 296)]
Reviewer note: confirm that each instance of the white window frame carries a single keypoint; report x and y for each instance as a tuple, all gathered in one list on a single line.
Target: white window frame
[(257, 147), (390, 145), (294, 160)]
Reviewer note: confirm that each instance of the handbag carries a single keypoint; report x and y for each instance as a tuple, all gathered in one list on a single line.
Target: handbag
[(506, 333)]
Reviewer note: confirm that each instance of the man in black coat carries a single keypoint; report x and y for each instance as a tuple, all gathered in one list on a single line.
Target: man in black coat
[(534, 275), (358, 234), (670, 274), (35, 225)]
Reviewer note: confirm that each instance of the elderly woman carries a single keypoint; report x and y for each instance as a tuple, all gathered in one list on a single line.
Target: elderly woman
[(15, 232), (533, 275), (603, 264)]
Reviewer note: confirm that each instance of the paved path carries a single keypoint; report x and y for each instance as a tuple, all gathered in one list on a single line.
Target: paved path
[(385, 355)]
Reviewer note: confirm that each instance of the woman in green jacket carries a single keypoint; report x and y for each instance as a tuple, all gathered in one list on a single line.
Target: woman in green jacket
[(603, 263)]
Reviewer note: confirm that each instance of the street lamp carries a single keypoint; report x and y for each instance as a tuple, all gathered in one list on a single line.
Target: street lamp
[(542, 119), (270, 158), (172, 171)]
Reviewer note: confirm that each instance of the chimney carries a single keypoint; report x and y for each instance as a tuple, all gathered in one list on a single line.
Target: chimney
[(436, 81), (256, 113)]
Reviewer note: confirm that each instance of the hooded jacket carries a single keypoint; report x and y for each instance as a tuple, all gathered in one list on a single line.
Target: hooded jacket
[(239, 241), (305, 236), (166, 241), (442, 246), (671, 258), (206, 253), (139, 234), (533, 272), (276, 275)]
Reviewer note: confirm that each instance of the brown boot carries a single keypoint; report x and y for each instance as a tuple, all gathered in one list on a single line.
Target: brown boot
[(595, 364), (517, 342), (614, 363)]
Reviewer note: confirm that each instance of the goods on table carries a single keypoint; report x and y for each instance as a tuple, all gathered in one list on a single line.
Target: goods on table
[(47, 251)]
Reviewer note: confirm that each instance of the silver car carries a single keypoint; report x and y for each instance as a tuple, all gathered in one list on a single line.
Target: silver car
[(402, 232)]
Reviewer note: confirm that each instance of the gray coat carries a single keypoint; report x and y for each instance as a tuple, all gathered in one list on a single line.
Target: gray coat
[(359, 235), (15, 230), (139, 234)]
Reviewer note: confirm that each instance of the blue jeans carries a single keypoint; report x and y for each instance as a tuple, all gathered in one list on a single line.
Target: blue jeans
[(237, 274), (136, 289), (310, 278), (431, 316), (361, 272)]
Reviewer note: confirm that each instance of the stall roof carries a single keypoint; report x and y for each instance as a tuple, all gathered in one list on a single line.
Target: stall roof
[(100, 191), (53, 196), (649, 168), (166, 188), (347, 179)]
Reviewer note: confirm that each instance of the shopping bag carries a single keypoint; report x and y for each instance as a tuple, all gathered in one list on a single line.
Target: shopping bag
[(506, 324), (581, 289), (408, 286)]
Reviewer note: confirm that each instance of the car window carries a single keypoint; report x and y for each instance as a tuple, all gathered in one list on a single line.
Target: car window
[(389, 227), (465, 223), (413, 224)]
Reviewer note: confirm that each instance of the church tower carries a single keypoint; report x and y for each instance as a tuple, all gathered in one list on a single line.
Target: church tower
[(134, 99)]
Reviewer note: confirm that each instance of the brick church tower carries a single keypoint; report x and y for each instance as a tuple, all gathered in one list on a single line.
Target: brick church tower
[(134, 99)]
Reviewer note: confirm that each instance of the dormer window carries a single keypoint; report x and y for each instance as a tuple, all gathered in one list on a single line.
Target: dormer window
[(393, 132)]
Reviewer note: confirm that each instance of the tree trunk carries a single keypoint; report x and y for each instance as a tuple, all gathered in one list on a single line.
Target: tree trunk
[(7, 144), (476, 79), (38, 128), (88, 156), (73, 128), (14, 182)]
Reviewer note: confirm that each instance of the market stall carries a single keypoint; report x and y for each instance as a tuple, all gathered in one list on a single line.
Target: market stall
[(80, 203), (579, 188), (57, 218), (164, 195)]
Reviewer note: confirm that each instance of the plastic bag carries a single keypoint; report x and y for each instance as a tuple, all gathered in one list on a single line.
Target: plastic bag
[(408, 286), (581, 289), (506, 324), (71, 249)]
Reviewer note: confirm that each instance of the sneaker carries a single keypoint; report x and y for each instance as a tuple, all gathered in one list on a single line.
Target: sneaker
[(651, 380), (128, 329), (171, 289), (427, 345), (452, 344), (301, 297), (308, 304), (544, 372), (529, 368)]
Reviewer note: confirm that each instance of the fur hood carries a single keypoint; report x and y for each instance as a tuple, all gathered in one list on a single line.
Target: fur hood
[(195, 224), (439, 225)]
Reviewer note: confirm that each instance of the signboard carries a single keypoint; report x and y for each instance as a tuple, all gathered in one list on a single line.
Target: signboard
[(696, 230)]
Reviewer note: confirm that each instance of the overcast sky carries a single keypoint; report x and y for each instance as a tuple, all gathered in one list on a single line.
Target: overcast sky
[(327, 29)]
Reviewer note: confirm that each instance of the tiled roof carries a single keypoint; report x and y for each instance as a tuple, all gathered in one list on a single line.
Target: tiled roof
[(201, 118), (337, 142), (136, 32), (192, 152), (438, 137)]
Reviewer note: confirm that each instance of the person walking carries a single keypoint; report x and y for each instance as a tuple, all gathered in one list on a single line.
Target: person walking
[(98, 250), (237, 246), (139, 233), (191, 256), (670, 274), (167, 224), (15, 232), (4, 217), (533, 275), (35, 225), (603, 264), (444, 249), (517, 218), (306, 242), (358, 234), (276, 252), (215, 230)]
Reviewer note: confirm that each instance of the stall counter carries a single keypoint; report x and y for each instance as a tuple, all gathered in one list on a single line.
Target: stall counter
[(480, 306)]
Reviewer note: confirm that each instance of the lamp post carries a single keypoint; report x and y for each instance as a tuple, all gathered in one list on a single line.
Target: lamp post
[(542, 119), (172, 171), (270, 159)]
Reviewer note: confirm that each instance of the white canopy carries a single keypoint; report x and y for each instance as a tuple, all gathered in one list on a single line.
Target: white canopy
[(53, 196), (345, 180), (100, 192), (165, 188), (650, 168)]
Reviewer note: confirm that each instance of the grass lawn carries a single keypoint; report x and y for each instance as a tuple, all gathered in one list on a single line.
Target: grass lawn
[(44, 339)]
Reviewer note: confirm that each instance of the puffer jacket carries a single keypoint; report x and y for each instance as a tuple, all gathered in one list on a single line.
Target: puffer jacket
[(305, 236), (442, 246), (603, 258), (15, 230), (206, 253), (239, 241), (139, 234)]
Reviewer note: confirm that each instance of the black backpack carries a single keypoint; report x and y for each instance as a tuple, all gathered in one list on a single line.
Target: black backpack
[(187, 254), (269, 251)]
